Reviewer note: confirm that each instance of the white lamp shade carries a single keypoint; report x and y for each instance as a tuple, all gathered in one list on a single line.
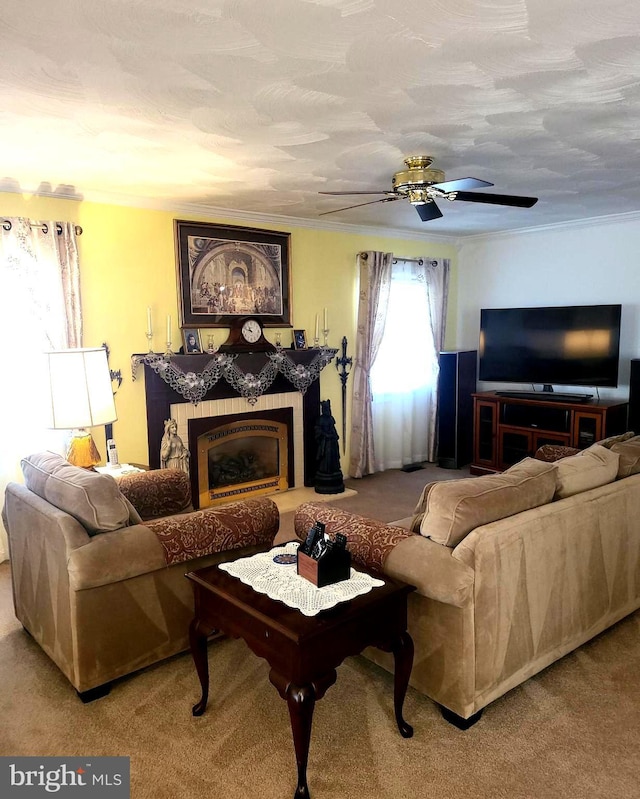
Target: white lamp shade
[(80, 383)]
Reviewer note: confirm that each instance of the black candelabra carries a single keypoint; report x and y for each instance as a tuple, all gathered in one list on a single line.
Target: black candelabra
[(343, 365)]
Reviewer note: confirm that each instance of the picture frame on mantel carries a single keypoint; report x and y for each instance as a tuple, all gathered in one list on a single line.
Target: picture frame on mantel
[(226, 272), (191, 340), (299, 339)]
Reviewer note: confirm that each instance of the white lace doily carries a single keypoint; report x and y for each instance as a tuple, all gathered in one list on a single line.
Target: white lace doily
[(282, 582)]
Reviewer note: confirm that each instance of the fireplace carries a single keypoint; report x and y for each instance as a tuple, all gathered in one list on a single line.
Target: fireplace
[(243, 454), (164, 402)]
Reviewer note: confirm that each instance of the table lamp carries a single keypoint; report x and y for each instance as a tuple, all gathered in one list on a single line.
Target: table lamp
[(80, 397)]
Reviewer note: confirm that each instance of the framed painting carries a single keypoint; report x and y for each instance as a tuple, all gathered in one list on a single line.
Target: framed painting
[(227, 272)]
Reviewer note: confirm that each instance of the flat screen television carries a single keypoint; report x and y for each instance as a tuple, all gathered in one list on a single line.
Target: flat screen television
[(576, 345)]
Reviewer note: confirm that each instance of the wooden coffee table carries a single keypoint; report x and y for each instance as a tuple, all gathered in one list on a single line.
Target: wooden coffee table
[(303, 651)]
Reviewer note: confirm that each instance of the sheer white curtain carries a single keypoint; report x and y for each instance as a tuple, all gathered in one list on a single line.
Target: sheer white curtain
[(39, 311), (404, 374)]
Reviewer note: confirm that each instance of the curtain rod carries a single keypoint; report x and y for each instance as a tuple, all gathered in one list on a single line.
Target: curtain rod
[(409, 260), (365, 255), (6, 224)]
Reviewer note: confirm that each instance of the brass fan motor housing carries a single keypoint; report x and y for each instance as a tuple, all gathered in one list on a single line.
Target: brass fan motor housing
[(416, 175)]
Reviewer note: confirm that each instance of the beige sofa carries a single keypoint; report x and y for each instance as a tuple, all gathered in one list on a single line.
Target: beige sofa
[(512, 571), (101, 590)]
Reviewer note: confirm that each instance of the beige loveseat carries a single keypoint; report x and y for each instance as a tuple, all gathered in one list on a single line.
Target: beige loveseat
[(512, 571), (102, 591)]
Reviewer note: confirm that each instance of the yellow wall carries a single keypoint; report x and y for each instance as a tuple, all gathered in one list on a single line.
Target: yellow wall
[(127, 260)]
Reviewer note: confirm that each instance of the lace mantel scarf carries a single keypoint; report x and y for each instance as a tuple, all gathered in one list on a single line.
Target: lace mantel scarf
[(194, 385)]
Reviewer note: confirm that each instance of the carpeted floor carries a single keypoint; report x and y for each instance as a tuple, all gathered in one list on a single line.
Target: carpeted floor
[(572, 731), (291, 499)]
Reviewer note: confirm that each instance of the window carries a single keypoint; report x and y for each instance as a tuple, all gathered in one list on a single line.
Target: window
[(39, 279), (404, 374)]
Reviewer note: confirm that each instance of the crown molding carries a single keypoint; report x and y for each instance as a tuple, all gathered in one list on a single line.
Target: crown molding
[(205, 212), (304, 222), (574, 224)]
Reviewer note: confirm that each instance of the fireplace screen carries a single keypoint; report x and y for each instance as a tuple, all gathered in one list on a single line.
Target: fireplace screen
[(242, 458)]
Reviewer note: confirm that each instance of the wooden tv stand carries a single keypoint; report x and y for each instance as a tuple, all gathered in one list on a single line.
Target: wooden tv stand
[(507, 429)]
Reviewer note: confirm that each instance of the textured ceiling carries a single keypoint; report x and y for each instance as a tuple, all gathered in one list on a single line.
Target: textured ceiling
[(257, 105)]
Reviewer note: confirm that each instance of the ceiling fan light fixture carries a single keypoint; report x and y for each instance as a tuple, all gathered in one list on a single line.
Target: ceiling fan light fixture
[(418, 197)]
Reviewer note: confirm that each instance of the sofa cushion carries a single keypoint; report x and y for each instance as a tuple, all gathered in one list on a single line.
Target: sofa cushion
[(413, 522), (134, 516), (455, 507), (611, 440), (93, 499), (629, 453), (419, 511), (593, 467)]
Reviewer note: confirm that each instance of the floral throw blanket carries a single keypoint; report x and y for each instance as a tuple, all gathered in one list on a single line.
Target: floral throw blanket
[(156, 493), (369, 541), (239, 524)]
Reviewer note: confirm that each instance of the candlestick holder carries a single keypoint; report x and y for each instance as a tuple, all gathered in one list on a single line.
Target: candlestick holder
[(316, 342), (168, 352), (149, 340), (325, 333), (278, 341)]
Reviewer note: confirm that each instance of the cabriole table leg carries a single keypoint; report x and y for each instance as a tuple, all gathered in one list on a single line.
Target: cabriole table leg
[(198, 636), (301, 702), (403, 662)]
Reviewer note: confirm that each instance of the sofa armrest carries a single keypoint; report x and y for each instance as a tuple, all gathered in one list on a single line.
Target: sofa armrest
[(225, 527), (433, 570), (142, 548), (157, 493), (111, 557), (395, 551), (368, 540)]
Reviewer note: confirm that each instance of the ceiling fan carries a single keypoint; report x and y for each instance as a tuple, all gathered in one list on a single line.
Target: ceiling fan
[(422, 186)]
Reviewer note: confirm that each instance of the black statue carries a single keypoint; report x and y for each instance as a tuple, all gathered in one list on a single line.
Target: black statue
[(328, 479)]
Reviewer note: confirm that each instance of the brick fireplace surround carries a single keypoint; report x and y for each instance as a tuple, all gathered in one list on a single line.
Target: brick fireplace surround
[(162, 402)]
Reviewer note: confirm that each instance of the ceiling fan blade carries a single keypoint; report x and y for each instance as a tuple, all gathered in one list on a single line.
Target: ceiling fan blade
[(359, 205), (496, 199), (335, 193), (428, 211), (462, 184)]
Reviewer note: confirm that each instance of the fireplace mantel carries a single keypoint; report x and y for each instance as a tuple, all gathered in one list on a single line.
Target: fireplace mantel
[(194, 374), (160, 396)]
